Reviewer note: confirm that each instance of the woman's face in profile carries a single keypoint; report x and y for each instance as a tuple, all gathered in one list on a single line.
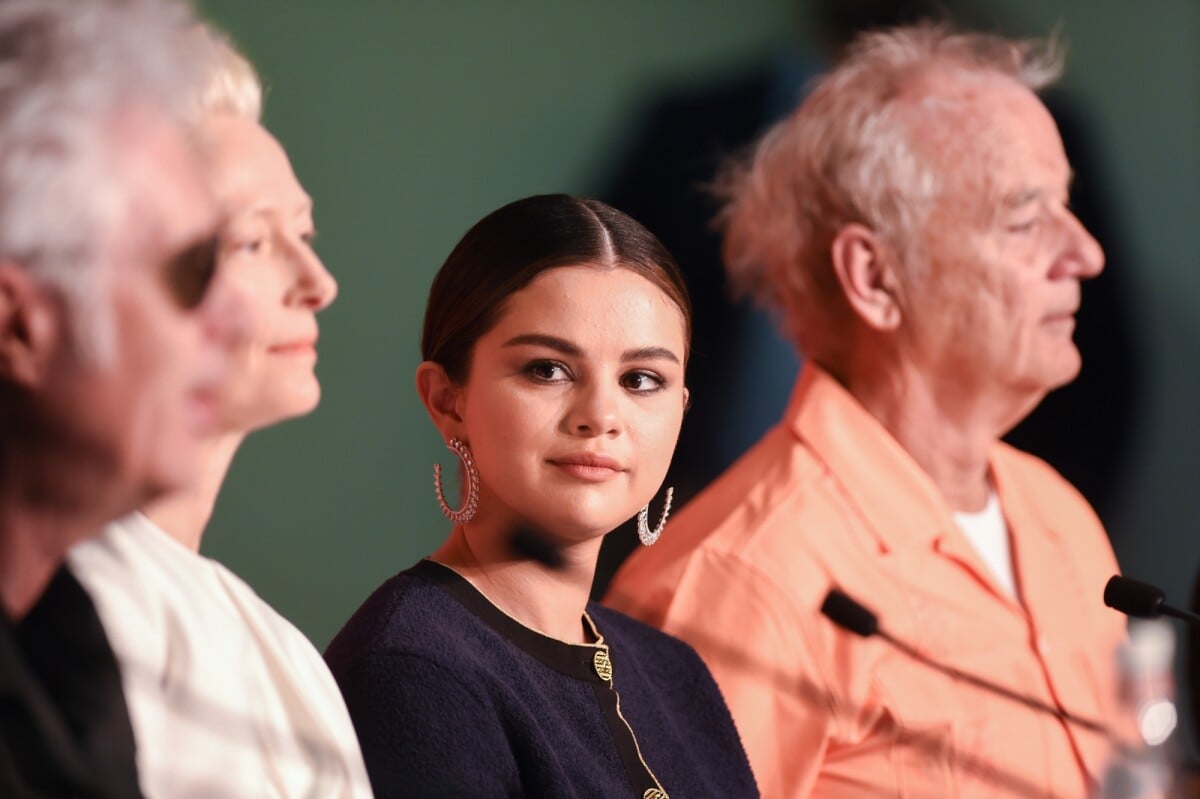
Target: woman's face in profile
[(265, 252), (574, 401)]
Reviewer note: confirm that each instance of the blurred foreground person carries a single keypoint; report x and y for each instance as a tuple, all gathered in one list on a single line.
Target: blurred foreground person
[(227, 697), (556, 336), (110, 354), (910, 222)]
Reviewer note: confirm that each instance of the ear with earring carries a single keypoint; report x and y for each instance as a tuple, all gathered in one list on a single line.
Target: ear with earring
[(470, 486), (645, 534)]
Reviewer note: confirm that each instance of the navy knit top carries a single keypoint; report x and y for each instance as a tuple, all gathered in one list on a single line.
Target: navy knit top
[(451, 697)]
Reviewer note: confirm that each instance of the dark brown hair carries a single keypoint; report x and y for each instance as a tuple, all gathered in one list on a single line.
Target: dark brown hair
[(503, 252)]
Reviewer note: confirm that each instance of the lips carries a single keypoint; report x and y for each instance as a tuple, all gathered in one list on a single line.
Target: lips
[(304, 346), (590, 466)]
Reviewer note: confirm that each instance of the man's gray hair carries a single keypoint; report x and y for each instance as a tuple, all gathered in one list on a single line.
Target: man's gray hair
[(67, 68), (845, 156)]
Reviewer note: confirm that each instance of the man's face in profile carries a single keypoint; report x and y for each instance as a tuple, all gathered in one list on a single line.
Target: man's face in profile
[(147, 400)]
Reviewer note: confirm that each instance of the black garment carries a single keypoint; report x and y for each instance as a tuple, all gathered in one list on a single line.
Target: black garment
[(64, 726), (452, 697)]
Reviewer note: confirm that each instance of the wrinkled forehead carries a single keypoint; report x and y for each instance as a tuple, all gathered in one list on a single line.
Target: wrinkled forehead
[(984, 133)]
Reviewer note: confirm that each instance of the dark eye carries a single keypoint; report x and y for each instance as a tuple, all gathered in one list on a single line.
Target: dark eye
[(191, 271), (547, 371), (251, 246), (642, 382)]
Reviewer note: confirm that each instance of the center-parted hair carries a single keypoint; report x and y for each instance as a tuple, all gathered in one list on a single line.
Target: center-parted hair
[(846, 155), (503, 252)]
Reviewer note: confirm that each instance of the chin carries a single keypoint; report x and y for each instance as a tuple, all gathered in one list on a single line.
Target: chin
[(265, 411)]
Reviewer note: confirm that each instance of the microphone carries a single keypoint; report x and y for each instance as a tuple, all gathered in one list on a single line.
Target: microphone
[(525, 542), (1142, 600), (848, 614)]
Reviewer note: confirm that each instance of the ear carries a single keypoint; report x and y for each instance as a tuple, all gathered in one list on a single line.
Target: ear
[(29, 327), (442, 398), (687, 399), (866, 270)]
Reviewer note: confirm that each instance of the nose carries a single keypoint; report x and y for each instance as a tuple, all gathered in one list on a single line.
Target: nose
[(313, 286), (595, 411), (1083, 257)]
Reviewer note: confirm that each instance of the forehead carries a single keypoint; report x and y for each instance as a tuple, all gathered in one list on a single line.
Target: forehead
[(986, 134), (596, 307), (247, 166)]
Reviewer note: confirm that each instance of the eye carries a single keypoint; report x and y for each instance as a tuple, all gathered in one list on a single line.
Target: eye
[(547, 372), (642, 382), (1024, 226), (252, 246)]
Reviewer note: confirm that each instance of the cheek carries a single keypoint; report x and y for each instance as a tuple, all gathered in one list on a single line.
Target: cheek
[(656, 433)]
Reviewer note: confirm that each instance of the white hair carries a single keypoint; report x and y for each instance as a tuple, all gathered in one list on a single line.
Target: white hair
[(67, 69), (844, 156), (228, 83)]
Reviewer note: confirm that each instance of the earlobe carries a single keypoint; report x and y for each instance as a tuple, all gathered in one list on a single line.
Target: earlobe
[(865, 268), (440, 396), (27, 327)]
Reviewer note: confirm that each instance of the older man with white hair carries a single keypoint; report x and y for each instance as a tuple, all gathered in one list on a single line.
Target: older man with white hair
[(111, 351), (910, 221)]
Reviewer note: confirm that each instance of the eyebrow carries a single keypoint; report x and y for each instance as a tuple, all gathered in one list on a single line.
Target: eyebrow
[(1026, 196), (567, 348)]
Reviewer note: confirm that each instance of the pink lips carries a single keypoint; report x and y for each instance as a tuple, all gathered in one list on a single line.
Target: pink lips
[(589, 466), (298, 347)]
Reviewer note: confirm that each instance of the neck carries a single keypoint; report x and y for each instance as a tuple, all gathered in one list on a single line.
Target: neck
[(184, 514), (946, 428), (549, 600), (47, 505)]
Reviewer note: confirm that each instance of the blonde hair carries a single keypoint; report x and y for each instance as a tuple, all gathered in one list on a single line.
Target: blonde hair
[(228, 84), (843, 156)]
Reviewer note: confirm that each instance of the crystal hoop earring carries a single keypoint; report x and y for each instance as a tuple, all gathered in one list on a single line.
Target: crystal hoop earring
[(645, 534), (471, 499)]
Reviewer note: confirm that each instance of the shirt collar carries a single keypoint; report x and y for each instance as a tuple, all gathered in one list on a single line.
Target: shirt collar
[(900, 502)]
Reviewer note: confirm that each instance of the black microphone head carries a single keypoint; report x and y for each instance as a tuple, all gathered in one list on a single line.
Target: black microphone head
[(529, 543), (1133, 598), (848, 614)]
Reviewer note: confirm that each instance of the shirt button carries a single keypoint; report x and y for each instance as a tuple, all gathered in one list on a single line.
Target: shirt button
[(602, 665)]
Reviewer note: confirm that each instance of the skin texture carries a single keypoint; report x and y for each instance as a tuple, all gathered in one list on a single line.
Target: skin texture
[(584, 363)]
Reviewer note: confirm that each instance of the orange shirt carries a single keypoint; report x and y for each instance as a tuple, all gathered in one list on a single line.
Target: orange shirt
[(828, 498)]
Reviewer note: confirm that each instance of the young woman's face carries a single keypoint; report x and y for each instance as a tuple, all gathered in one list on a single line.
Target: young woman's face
[(265, 251), (574, 400)]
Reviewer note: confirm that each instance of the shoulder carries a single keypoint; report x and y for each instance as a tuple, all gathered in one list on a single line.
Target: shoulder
[(409, 616), (623, 632), (1038, 483), (774, 503)]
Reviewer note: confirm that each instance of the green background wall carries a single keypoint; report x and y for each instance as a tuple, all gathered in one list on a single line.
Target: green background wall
[(407, 121)]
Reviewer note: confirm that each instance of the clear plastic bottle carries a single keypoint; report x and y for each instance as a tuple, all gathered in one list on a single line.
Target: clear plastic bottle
[(1145, 665)]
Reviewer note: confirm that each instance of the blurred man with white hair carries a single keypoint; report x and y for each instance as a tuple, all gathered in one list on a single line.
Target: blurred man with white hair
[(112, 348)]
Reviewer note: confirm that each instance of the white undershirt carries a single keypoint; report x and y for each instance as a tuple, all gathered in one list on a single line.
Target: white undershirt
[(988, 533)]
